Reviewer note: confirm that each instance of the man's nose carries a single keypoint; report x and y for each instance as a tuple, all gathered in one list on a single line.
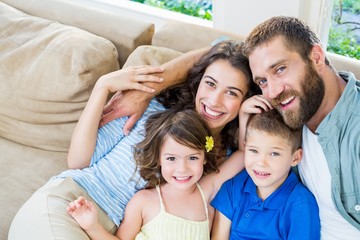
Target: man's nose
[(274, 89)]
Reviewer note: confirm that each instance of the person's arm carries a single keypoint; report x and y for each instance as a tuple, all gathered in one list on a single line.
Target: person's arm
[(83, 140), (85, 214), (221, 227), (252, 105), (133, 216), (212, 182), (134, 103)]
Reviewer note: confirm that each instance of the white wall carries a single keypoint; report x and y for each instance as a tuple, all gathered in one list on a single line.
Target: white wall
[(241, 16)]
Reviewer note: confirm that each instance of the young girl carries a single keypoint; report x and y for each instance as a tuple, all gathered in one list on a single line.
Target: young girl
[(173, 158)]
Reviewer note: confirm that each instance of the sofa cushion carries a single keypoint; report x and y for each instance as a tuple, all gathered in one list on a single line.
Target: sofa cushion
[(151, 55), (185, 37), (47, 71), (103, 18)]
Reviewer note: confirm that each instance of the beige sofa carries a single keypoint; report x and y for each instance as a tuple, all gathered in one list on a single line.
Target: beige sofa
[(51, 54)]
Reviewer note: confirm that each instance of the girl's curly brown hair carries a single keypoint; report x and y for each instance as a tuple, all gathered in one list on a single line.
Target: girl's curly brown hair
[(184, 126)]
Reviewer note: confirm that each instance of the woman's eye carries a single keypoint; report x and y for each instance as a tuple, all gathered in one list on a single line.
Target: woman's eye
[(231, 93), (193, 158), (211, 84)]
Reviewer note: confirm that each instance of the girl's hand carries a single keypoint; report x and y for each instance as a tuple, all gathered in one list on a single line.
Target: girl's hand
[(84, 212), (255, 104), (130, 78)]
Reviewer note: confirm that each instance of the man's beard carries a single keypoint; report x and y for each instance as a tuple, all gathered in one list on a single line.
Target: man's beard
[(310, 98)]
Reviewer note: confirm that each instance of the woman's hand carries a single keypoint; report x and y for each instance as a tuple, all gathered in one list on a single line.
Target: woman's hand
[(130, 78), (129, 103), (83, 141)]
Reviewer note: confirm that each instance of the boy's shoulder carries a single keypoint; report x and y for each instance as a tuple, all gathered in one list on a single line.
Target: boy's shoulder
[(238, 182), (301, 194)]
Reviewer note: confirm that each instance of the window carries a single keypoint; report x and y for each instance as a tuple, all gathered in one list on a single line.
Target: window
[(337, 22), (344, 33), (196, 8)]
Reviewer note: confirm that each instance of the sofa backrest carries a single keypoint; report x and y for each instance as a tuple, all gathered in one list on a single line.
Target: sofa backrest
[(125, 33), (185, 37), (47, 72)]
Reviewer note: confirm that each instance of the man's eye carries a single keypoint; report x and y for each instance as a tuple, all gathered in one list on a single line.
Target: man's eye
[(262, 82), (280, 69)]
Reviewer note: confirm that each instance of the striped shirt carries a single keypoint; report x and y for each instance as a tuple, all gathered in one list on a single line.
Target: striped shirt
[(111, 179)]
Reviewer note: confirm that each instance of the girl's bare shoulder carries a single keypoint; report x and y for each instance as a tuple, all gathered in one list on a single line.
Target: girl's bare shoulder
[(145, 195), (150, 202)]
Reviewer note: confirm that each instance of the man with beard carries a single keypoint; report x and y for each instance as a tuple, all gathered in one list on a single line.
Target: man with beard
[(289, 65)]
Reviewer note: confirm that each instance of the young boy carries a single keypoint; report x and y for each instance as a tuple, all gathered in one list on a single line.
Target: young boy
[(266, 200)]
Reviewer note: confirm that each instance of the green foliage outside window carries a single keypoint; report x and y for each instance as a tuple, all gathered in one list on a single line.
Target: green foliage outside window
[(343, 44), (344, 35), (195, 8)]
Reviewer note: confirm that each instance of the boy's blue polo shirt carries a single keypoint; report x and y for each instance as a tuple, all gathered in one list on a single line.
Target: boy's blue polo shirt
[(290, 212)]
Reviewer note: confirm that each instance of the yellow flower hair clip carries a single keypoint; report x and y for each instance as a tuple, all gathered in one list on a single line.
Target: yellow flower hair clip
[(209, 143)]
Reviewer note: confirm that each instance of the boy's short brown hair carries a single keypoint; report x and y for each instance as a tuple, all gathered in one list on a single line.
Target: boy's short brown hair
[(272, 123)]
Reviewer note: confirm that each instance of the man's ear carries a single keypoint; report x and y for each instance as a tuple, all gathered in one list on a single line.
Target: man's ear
[(297, 156), (317, 56)]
